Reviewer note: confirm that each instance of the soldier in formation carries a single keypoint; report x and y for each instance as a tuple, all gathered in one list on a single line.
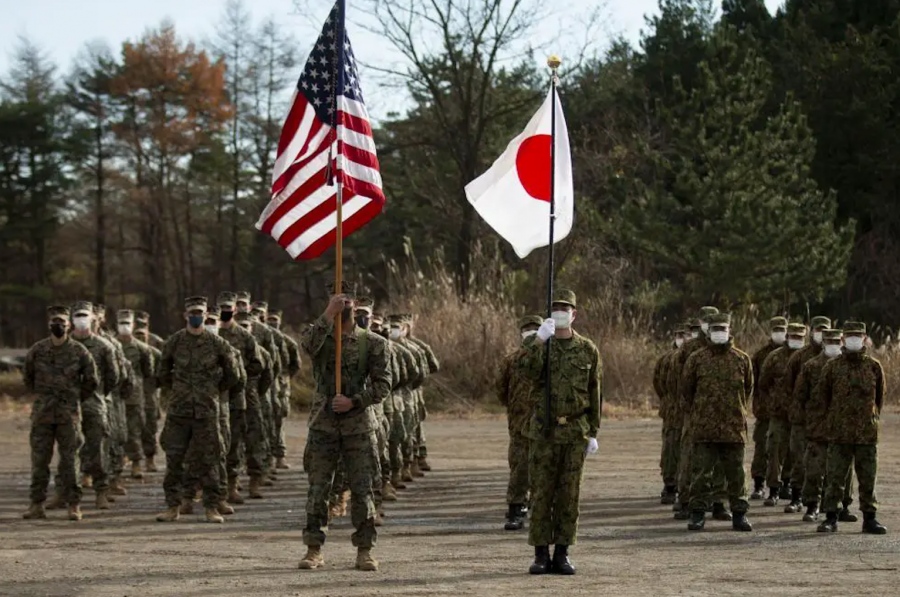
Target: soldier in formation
[(672, 420)]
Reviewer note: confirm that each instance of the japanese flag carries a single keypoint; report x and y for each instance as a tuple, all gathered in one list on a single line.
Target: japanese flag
[(513, 196)]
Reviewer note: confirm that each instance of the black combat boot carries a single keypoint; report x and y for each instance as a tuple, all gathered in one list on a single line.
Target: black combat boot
[(759, 488), (541, 563), (669, 495), (796, 505), (772, 500), (785, 491), (872, 526), (812, 512), (515, 518), (684, 513), (698, 520), (720, 513), (561, 563), (740, 522), (830, 525), (845, 515)]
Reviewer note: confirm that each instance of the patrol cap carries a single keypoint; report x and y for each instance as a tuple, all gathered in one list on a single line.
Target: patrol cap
[(140, 324), (82, 308), (854, 328), (395, 320), (213, 313), (530, 320), (125, 316), (563, 296), (195, 303), (820, 322), (365, 303), (377, 317), (261, 306), (406, 318), (719, 319), (347, 288), (58, 312), (243, 317), (706, 313), (832, 334), (276, 314), (692, 324), (796, 329), (226, 299), (778, 322), (142, 316), (242, 296), (100, 309)]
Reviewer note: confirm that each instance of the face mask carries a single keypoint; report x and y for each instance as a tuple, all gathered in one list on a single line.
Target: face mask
[(195, 321), (82, 324), (679, 342), (125, 329), (705, 327), (58, 329), (779, 337), (362, 321), (695, 335), (795, 343), (212, 328), (226, 315), (854, 343), (528, 334), (817, 337), (395, 333), (832, 350), (562, 319), (719, 336)]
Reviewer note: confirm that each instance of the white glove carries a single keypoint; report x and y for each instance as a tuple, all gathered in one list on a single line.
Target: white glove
[(547, 330), (592, 447)]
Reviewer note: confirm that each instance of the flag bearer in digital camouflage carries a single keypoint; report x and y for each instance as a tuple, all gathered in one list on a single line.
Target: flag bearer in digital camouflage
[(672, 421), (62, 375), (852, 387), (556, 461), (759, 466)]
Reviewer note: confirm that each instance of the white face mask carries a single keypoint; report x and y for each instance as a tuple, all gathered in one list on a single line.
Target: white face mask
[(212, 328), (854, 343), (526, 335), (817, 337), (795, 343), (719, 336), (395, 333), (679, 342), (81, 323), (832, 350), (704, 326), (779, 337), (562, 319), (695, 335), (125, 329)]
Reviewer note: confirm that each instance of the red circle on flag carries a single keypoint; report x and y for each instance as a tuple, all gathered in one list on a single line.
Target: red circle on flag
[(533, 166)]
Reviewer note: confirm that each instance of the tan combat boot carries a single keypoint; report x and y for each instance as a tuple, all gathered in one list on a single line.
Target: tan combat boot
[(101, 502), (267, 480), (57, 501), (406, 474), (313, 558), (75, 512), (397, 480), (280, 463), (224, 509), (414, 469), (116, 487), (233, 496), (423, 464), (149, 465), (255, 485), (365, 561), (35, 512), (388, 493), (187, 506), (87, 481), (212, 515), (170, 515), (378, 518), (136, 472)]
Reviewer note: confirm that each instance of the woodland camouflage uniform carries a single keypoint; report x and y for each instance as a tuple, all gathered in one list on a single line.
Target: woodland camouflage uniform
[(760, 463)]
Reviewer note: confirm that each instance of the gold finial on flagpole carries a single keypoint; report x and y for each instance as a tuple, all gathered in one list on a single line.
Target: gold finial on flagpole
[(554, 61)]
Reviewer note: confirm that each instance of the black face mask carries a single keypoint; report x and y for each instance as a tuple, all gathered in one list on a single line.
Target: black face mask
[(226, 315), (58, 329), (362, 321)]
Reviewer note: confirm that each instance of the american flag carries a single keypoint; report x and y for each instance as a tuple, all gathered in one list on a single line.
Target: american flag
[(302, 214)]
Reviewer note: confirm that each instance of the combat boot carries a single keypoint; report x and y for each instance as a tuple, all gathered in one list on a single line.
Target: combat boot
[(812, 512), (397, 480), (224, 509), (684, 513), (388, 493), (414, 469), (796, 505), (74, 512), (116, 487), (669, 495), (150, 465), (772, 500), (759, 488), (170, 515), (698, 520), (541, 564), (313, 558), (267, 481), (233, 496), (561, 563), (281, 464), (872, 526), (830, 524), (87, 481), (785, 491), (720, 513), (740, 522), (100, 501), (845, 515), (423, 464), (255, 485), (379, 519), (212, 515), (187, 506), (35, 512), (406, 474), (515, 518), (57, 501), (136, 472)]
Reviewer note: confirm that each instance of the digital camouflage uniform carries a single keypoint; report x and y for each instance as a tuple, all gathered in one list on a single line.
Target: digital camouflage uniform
[(760, 463), (290, 369), (61, 378), (672, 423), (413, 403), (279, 383), (400, 439), (433, 366), (152, 413), (141, 359), (256, 444)]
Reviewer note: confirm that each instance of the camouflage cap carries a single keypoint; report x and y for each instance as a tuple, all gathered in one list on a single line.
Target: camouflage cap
[(854, 327), (99, 309), (275, 314), (58, 312), (692, 324), (140, 324), (778, 322), (142, 316), (377, 317), (195, 303), (564, 296), (796, 329), (720, 319), (820, 321), (530, 320), (406, 318), (226, 299), (260, 305), (832, 334), (213, 313), (395, 319), (347, 288), (706, 313), (365, 303), (82, 308), (242, 317), (124, 315), (242, 296)]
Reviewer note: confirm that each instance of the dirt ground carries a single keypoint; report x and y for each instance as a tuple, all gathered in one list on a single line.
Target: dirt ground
[(444, 537)]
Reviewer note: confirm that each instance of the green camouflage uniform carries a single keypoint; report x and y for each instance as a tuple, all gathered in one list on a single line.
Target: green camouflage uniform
[(152, 413), (672, 420), (797, 415), (400, 438), (760, 463), (267, 400), (141, 359), (774, 385), (432, 366)]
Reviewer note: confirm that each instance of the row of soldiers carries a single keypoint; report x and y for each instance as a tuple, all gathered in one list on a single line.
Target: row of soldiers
[(817, 407)]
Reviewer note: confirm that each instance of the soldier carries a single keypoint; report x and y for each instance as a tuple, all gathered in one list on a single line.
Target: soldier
[(61, 374), (556, 460), (400, 442), (142, 321), (245, 415), (515, 390), (115, 408), (717, 384), (273, 319), (197, 366), (433, 366), (414, 404), (152, 412), (672, 421), (342, 425), (141, 359), (775, 386), (281, 389), (797, 415), (759, 466), (391, 418), (852, 388)]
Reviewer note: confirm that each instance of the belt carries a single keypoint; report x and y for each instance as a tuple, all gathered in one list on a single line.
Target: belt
[(569, 419)]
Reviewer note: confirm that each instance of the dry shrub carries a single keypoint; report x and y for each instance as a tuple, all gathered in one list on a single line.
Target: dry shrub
[(12, 385)]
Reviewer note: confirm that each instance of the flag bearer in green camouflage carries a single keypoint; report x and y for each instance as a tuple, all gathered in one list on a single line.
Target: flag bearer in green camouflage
[(197, 366), (557, 455), (774, 384), (141, 359), (62, 375), (515, 390), (273, 319), (342, 426), (671, 422), (852, 387), (760, 463), (717, 383), (152, 413)]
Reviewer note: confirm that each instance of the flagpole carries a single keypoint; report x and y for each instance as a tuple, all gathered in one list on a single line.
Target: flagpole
[(553, 62), (339, 197)]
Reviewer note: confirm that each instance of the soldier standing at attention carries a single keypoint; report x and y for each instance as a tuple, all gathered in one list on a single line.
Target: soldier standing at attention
[(342, 426), (141, 359), (273, 319), (515, 390), (151, 399), (671, 422), (717, 384), (759, 466), (61, 374), (196, 366), (557, 456), (852, 387), (420, 460)]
